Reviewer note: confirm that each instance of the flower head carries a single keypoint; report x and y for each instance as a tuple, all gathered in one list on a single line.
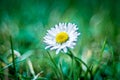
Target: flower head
[(61, 37)]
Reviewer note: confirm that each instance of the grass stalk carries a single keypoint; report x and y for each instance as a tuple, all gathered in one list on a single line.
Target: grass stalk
[(13, 57)]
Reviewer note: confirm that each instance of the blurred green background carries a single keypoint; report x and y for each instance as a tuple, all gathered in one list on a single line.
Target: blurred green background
[(27, 21)]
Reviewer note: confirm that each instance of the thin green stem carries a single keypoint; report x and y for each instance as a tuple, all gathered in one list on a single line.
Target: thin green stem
[(61, 71), (72, 67), (103, 47), (88, 69), (13, 57), (52, 60), (54, 64), (78, 59)]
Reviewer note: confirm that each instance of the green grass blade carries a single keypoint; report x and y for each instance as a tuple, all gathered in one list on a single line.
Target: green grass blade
[(103, 47), (13, 57)]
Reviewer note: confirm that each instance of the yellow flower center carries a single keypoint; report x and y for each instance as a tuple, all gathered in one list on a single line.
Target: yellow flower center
[(61, 37)]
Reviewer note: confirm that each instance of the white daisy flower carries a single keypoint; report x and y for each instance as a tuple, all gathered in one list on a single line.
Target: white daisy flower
[(61, 37)]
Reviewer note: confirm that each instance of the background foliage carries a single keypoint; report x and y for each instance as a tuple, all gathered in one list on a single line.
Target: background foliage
[(27, 21)]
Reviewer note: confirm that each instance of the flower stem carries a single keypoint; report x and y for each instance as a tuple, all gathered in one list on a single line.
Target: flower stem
[(78, 59)]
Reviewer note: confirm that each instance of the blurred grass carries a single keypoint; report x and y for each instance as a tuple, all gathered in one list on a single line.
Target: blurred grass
[(27, 21)]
